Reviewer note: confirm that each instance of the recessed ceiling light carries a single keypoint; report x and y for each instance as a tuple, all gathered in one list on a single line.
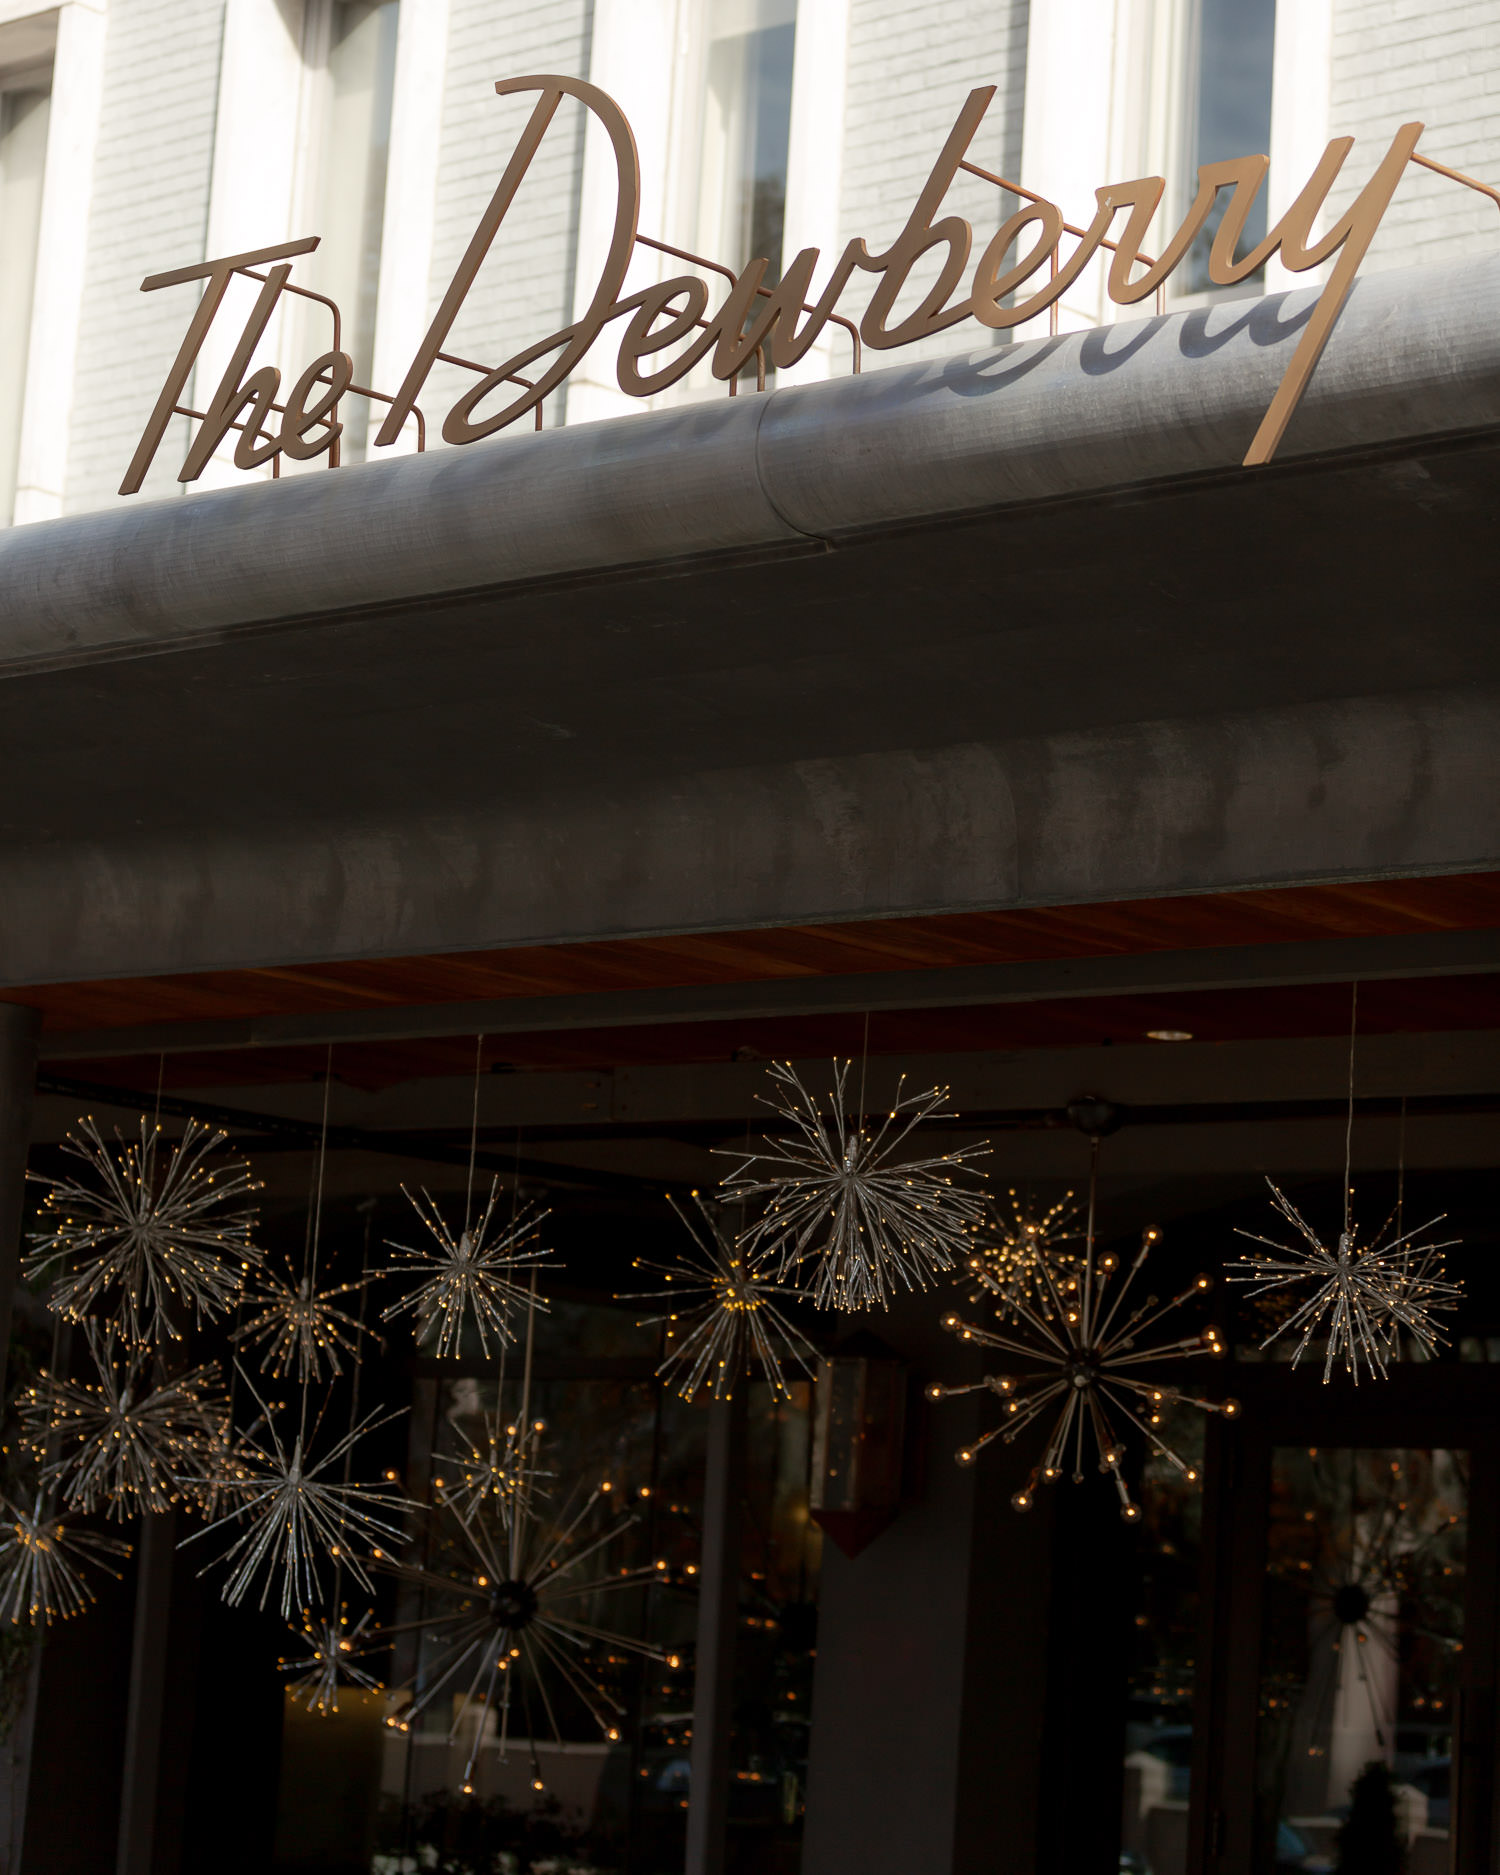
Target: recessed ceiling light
[(1169, 1035)]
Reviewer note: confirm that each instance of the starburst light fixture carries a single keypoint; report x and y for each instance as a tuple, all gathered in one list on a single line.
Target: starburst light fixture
[(492, 1474), (1012, 1243), (297, 1326), (511, 1624), (123, 1443), (467, 1273), (1362, 1296), (1083, 1355), (42, 1560), (837, 1194), (292, 1514), (726, 1324), (333, 1657), (142, 1233)]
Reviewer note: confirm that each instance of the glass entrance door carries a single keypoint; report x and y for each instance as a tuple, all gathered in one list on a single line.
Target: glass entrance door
[(1361, 1641), (1345, 1716)]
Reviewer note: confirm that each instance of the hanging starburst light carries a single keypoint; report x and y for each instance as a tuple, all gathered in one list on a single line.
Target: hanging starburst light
[(1362, 1296), (124, 1443), (1009, 1248), (292, 1513), (726, 1323), (511, 1624), (143, 1233), (1083, 1357), (468, 1273), (492, 1474), (297, 1326), (333, 1657), (42, 1560), (838, 1195)]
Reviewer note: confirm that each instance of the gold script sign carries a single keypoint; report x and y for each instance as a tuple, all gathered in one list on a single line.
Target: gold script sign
[(670, 329)]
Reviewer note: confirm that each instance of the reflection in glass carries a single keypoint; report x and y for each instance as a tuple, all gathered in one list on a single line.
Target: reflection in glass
[(1361, 1636), (1159, 1715), (23, 152), (746, 124), (357, 1795), (1233, 115)]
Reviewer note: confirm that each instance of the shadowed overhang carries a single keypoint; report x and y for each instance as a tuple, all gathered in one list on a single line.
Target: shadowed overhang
[(1002, 631)]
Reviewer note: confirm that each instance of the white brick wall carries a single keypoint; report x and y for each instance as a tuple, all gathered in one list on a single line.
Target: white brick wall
[(525, 290), (1438, 62), (149, 213), (910, 69)]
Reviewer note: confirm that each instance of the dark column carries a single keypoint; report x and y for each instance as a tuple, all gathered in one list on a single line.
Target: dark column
[(144, 1710), (928, 1696), (18, 1032), (19, 1027), (718, 1615)]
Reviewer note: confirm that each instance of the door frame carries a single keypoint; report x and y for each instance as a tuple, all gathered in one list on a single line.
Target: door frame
[(1428, 1405)]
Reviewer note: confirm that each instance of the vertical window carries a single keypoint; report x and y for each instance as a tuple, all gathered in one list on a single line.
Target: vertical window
[(24, 110), (746, 122), (352, 45), (1231, 109)]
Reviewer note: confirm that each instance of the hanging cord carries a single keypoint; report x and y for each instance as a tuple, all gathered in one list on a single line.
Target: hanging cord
[(310, 1269), (474, 1135), (1349, 1122), (864, 1063), (524, 1422), (1086, 1325), (315, 1230), (368, 1207), (1401, 1173)]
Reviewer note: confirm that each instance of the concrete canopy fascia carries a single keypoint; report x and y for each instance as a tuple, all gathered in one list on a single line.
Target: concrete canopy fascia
[(1415, 353)]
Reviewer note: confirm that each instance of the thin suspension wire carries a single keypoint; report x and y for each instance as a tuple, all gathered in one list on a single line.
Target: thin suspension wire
[(311, 1270), (473, 1134), (1401, 1170), (1349, 1121), (310, 1254)]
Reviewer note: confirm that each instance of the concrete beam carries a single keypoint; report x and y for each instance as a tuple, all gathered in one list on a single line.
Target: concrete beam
[(1415, 353), (1010, 629)]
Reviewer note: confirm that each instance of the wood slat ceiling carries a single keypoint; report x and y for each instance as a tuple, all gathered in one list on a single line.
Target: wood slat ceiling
[(1416, 1006), (1274, 916)]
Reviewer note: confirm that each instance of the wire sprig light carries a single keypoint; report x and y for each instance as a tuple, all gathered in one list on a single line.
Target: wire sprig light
[(124, 1443), (838, 1194), (472, 1273), (493, 1474), (142, 1233), (43, 1559), (333, 1656), (725, 1323), (297, 1326), (507, 1627), (293, 1514), (1013, 1244), (1083, 1353), (1362, 1296)]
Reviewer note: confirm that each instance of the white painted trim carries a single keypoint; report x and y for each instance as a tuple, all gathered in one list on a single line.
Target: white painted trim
[(815, 163), (407, 233), (1065, 134), (252, 190), (61, 259), (637, 49), (1301, 106)]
